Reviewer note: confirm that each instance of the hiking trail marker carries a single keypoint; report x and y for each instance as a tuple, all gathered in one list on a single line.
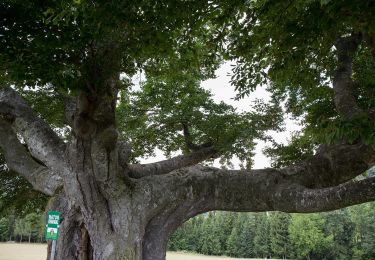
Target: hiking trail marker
[(52, 230), (53, 221)]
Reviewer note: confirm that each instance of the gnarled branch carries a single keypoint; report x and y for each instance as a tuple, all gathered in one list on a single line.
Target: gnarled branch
[(318, 185), (266, 190), (202, 189), (43, 143), (332, 165), (166, 166), (19, 160), (300, 199)]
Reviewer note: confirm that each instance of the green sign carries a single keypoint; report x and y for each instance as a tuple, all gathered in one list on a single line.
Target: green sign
[(53, 221)]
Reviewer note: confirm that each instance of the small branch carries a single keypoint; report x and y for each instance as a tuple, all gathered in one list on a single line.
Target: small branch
[(166, 166), (345, 101), (189, 144), (44, 144), (370, 42), (69, 110), (124, 152), (20, 161)]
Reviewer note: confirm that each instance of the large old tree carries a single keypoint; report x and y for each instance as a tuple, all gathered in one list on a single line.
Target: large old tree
[(73, 125)]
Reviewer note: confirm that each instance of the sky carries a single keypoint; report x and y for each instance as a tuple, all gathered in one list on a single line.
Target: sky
[(222, 90)]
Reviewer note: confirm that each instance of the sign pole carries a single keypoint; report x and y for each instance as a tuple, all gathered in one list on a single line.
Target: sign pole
[(53, 250)]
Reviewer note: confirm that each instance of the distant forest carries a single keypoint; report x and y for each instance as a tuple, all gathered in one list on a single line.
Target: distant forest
[(22, 228), (343, 234)]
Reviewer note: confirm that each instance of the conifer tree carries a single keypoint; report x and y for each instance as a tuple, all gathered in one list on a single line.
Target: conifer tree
[(279, 234), (232, 242), (308, 238), (246, 235), (262, 236), (209, 239)]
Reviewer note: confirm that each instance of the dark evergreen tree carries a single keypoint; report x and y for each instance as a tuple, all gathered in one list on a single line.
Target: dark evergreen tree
[(339, 224), (195, 234), (246, 235), (233, 242), (210, 242), (4, 229), (236, 242), (262, 235), (225, 222), (279, 234)]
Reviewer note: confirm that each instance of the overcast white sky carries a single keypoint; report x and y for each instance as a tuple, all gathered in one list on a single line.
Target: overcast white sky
[(222, 90)]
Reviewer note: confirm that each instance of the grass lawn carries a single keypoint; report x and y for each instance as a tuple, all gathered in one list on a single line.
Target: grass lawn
[(25, 251)]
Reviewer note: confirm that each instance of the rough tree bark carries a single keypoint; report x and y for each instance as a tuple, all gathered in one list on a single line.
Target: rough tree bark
[(114, 210)]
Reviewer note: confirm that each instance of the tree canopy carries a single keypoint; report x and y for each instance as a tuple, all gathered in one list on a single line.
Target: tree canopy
[(64, 46)]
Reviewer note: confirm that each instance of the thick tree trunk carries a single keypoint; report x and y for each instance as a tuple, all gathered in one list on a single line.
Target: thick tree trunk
[(81, 247), (134, 240), (77, 242)]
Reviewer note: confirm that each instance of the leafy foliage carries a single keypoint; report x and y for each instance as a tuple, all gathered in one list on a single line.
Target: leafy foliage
[(308, 237), (298, 149), (289, 47), (172, 112), (69, 43), (66, 46), (17, 194)]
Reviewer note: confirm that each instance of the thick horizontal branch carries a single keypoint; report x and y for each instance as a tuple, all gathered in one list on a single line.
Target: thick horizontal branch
[(204, 189), (300, 199), (43, 142), (166, 166), (316, 185), (19, 160)]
